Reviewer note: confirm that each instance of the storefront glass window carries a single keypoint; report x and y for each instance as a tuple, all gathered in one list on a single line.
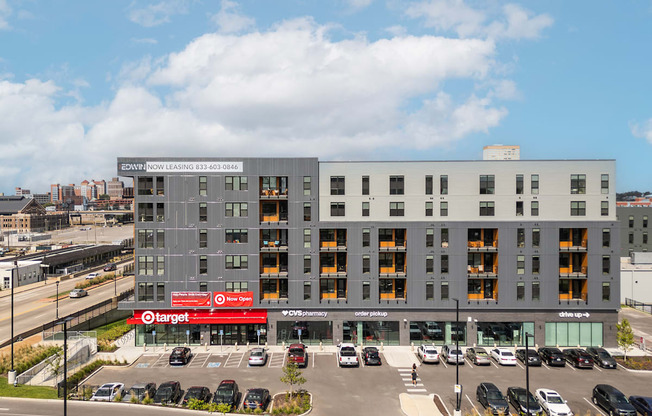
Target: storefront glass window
[(438, 333), (571, 334), (371, 332), (312, 332), (503, 333)]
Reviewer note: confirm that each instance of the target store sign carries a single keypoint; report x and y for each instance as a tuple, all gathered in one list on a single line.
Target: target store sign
[(232, 299)]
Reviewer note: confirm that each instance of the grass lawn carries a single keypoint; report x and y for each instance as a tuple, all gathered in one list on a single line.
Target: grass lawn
[(102, 329), (61, 294), (32, 392)]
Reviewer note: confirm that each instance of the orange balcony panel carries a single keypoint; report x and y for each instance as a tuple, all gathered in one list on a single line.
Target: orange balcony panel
[(329, 295), (565, 244), (388, 269), (271, 269), (388, 244), (565, 296), (270, 295), (475, 296), (270, 218), (329, 244), (565, 270), (329, 269)]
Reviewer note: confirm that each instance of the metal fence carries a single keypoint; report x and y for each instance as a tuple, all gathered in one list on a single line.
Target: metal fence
[(645, 307)]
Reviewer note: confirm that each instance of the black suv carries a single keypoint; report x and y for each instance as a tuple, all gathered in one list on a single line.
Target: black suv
[(601, 357), (110, 267), (180, 356), (612, 400), (168, 392), (552, 356), (533, 357), (491, 398), (578, 358), (229, 393)]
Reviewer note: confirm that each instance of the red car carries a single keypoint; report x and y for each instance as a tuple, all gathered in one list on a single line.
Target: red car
[(297, 354)]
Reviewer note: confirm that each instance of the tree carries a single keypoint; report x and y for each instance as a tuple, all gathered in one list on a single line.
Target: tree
[(292, 376), (104, 197), (55, 366), (625, 336)]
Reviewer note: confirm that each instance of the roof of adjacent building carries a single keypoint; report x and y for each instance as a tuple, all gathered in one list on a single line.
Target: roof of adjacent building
[(13, 204)]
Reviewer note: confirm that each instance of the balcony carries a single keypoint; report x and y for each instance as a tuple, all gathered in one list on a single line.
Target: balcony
[(573, 291), (481, 271), (573, 264), (273, 289), (273, 240), (482, 239), (390, 239), (485, 290), (391, 289), (274, 265), (332, 290), (573, 239), (273, 187), (332, 264), (572, 272), (332, 240), (273, 212)]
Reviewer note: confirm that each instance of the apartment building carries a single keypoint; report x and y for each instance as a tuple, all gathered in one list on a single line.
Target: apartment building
[(286, 249), (634, 228)]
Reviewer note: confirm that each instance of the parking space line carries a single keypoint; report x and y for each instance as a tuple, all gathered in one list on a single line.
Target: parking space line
[(241, 358), (495, 365), (544, 364), (444, 362), (573, 367), (313, 359), (470, 363), (474, 408), (417, 391), (522, 368), (597, 367), (206, 360), (361, 360), (594, 406)]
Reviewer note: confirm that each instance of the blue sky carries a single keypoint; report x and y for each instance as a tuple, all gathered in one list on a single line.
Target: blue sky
[(82, 83)]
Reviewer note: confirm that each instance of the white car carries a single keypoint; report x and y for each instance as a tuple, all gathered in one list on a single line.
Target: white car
[(92, 275), (428, 354), (503, 356), (108, 392), (78, 293), (552, 403), (257, 356), (347, 356)]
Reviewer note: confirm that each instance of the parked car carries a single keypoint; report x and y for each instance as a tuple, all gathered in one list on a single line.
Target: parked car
[(612, 400), (428, 354), (552, 356), (347, 355), (78, 293), (451, 355), (478, 356), (168, 392), (642, 404), (520, 398), (110, 267), (139, 391), (256, 399), (533, 358), (93, 275), (601, 357), (503, 356), (257, 356), (197, 392), (108, 392), (578, 358), (491, 398), (552, 403), (297, 354), (371, 356), (180, 356), (227, 392)]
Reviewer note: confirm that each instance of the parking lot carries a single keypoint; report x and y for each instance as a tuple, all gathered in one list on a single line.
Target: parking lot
[(374, 390)]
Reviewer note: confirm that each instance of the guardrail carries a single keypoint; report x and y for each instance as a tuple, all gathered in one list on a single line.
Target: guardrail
[(641, 306)]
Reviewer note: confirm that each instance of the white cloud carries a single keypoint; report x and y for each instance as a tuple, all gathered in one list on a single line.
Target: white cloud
[(642, 130), (230, 20), (359, 4), (5, 12), (147, 41), (397, 30), (154, 14)]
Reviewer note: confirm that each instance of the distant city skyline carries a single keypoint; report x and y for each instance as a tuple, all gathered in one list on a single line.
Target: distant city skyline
[(82, 83)]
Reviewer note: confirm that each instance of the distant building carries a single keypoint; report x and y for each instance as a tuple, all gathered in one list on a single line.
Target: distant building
[(501, 152), (636, 278), (115, 188), (21, 214), (21, 191), (634, 223), (40, 198), (28, 271)]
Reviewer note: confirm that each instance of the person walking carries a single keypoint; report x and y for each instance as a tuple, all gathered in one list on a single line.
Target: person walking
[(414, 374)]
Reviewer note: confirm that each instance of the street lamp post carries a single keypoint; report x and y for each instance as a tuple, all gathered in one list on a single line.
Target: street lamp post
[(458, 387), (115, 282), (527, 372), (65, 363), (57, 300), (11, 379)]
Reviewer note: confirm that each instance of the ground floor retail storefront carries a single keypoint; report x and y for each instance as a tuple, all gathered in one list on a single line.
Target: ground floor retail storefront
[(391, 327)]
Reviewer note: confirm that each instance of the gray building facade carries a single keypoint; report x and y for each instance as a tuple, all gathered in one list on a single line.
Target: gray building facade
[(286, 249), (634, 223)]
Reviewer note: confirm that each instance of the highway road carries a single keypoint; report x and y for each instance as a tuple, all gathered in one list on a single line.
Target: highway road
[(34, 307)]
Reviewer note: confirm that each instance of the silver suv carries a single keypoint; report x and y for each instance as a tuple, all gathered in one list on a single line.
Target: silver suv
[(451, 355)]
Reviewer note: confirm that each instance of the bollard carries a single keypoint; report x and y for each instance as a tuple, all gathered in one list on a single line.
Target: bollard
[(235, 346), (205, 346), (382, 346), (144, 346), (495, 345), (283, 344), (165, 346), (412, 346), (247, 345), (265, 344), (321, 346)]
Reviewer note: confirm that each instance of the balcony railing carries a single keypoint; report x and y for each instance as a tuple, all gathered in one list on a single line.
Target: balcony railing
[(274, 217), (480, 245), (273, 245), (274, 193)]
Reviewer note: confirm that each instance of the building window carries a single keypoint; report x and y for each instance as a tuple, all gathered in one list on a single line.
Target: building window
[(606, 264), (606, 291), (644, 237), (365, 209), (146, 265), (337, 185), (237, 209), (396, 185), (145, 292), (160, 212), (444, 290), (145, 238), (474, 286), (428, 184), (203, 212), (237, 287), (160, 238), (604, 208), (534, 184), (366, 237), (487, 208), (520, 290), (536, 291), (237, 262), (160, 292), (536, 237), (534, 208), (430, 237), (443, 184), (366, 263), (578, 184), (604, 183), (236, 236), (631, 238), (203, 185), (306, 238), (443, 208), (307, 264), (444, 264), (430, 291), (337, 209), (145, 186), (644, 221), (365, 185), (146, 212), (519, 184), (236, 183), (631, 221), (487, 184), (160, 265), (606, 237), (203, 238), (520, 237), (307, 289), (535, 264), (429, 209), (306, 185), (578, 208), (519, 208), (307, 214), (203, 286), (366, 290), (396, 209), (203, 265), (520, 264), (430, 264)]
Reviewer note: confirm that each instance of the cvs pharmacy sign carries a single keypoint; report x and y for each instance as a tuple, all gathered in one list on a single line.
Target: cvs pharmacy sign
[(232, 299)]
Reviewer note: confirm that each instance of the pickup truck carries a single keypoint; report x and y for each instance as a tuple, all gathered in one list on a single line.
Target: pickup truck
[(297, 354), (347, 356)]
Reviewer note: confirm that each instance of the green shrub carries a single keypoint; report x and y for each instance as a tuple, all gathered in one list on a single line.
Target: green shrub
[(87, 370), (26, 357), (195, 404), (148, 400), (220, 407)]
